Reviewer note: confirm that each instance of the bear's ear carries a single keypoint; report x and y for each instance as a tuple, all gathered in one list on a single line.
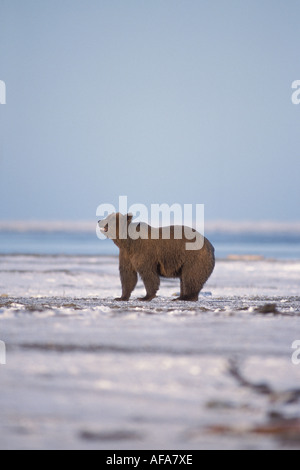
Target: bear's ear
[(129, 218)]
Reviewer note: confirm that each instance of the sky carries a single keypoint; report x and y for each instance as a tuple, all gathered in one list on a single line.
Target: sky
[(164, 101)]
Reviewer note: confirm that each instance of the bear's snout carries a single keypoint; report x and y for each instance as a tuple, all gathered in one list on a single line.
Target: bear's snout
[(103, 228)]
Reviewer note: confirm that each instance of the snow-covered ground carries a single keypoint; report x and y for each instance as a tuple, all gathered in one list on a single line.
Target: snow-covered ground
[(84, 371)]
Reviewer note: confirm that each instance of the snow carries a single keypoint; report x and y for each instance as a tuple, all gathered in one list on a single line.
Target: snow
[(85, 372)]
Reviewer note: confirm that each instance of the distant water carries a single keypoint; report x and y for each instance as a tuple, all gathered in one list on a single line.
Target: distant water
[(269, 245)]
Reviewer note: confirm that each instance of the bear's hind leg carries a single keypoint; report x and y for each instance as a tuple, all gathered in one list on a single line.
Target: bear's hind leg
[(151, 281), (189, 287), (192, 297)]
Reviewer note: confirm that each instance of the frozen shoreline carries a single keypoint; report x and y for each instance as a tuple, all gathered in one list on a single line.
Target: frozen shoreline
[(98, 276), (84, 371)]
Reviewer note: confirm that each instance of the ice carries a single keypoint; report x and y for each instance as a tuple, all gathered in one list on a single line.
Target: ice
[(258, 227), (47, 226), (85, 372)]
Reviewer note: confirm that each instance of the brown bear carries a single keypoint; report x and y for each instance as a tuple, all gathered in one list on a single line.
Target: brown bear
[(159, 252)]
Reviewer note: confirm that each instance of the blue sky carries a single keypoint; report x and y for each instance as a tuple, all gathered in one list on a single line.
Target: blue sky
[(163, 101)]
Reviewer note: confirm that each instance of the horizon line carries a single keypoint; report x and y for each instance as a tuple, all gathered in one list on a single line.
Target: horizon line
[(218, 225)]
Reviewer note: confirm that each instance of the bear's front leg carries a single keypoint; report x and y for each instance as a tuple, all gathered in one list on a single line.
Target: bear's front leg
[(151, 281), (128, 277)]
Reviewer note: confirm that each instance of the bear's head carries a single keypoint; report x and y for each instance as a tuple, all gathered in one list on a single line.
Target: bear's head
[(115, 226)]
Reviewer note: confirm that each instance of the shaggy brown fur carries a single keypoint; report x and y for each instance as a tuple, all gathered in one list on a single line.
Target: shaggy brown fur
[(157, 257)]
